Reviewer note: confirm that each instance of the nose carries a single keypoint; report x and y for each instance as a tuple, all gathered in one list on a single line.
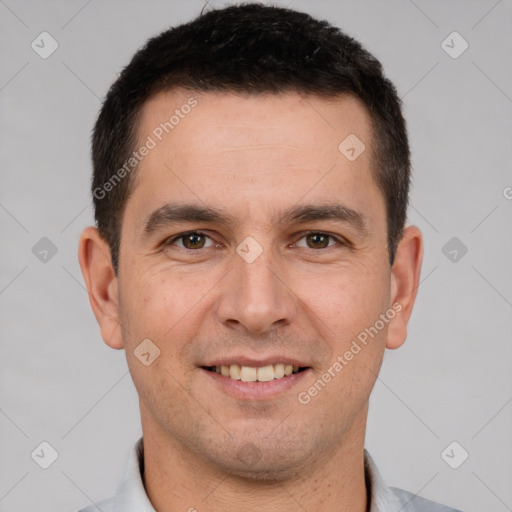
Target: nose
[(255, 297)]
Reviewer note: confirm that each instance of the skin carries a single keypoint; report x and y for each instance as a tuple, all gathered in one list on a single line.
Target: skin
[(254, 156)]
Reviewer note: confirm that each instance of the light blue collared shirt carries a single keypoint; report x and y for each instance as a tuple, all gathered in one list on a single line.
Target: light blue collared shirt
[(131, 495)]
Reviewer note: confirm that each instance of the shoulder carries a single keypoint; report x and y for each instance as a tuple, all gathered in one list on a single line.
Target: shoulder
[(413, 503), (392, 499)]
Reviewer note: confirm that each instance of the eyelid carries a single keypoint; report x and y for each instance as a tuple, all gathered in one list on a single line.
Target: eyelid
[(172, 239), (337, 238)]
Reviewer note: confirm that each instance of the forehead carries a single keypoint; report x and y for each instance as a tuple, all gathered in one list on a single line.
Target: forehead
[(252, 151), (303, 121)]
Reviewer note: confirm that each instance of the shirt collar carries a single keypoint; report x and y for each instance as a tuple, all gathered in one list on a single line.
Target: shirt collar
[(381, 497), (131, 494)]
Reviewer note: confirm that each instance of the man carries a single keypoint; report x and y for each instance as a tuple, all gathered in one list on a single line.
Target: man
[(251, 177)]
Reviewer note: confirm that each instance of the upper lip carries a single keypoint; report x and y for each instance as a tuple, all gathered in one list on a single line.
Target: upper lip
[(255, 363)]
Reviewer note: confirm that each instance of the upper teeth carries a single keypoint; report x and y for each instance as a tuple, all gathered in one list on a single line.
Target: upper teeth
[(261, 374)]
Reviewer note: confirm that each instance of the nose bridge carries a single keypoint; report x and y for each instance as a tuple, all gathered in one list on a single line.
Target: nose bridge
[(255, 295)]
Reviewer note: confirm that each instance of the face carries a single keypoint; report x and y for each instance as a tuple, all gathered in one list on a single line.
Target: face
[(251, 241)]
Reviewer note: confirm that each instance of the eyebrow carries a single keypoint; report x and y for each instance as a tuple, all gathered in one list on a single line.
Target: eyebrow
[(172, 213)]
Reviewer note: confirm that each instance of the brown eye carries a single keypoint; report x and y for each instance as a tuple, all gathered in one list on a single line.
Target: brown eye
[(317, 240), (191, 240)]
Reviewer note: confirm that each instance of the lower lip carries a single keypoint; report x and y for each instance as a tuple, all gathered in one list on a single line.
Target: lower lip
[(257, 390)]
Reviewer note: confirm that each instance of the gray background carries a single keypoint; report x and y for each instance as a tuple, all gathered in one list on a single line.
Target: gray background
[(451, 381)]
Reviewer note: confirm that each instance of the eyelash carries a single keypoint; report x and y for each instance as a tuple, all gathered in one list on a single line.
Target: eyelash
[(170, 241)]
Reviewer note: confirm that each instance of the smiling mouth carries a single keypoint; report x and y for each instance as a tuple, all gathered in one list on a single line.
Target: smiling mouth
[(256, 374)]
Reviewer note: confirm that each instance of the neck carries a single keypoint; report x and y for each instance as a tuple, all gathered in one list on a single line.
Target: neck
[(177, 479)]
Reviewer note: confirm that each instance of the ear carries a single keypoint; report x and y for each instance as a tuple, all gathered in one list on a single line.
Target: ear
[(101, 281), (405, 277)]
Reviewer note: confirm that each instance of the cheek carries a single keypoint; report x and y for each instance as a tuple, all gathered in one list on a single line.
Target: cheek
[(162, 307), (143, 302), (347, 301)]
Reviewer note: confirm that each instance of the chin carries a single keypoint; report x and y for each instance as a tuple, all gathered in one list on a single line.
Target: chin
[(266, 475), (264, 471), (263, 461)]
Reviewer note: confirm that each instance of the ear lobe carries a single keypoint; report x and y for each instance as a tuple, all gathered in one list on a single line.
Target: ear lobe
[(405, 276), (96, 265)]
